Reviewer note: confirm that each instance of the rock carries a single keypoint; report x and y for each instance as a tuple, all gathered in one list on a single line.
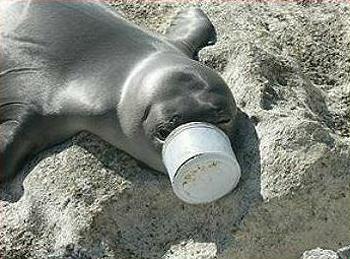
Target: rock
[(288, 66), (320, 254), (344, 253)]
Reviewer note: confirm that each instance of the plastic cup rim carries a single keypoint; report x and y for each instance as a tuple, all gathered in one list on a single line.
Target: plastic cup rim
[(221, 154), (187, 197), (185, 126)]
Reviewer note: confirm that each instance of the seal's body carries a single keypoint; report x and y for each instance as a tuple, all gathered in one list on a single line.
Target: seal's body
[(73, 66)]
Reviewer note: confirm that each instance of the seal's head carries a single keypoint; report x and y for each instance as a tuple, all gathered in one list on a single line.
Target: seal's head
[(174, 91)]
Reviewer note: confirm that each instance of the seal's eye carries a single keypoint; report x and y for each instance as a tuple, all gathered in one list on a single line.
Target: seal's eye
[(146, 113)]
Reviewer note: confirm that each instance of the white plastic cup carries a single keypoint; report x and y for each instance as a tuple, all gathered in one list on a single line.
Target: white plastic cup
[(200, 162)]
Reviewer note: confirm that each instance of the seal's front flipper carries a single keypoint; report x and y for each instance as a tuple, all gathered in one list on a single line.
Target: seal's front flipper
[(191, 30)]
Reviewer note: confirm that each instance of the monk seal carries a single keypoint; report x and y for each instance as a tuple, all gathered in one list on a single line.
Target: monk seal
[(72, 66)]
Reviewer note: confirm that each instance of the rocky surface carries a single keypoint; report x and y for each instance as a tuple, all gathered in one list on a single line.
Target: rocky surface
[(344, 252), (320, 254), (288, 66)]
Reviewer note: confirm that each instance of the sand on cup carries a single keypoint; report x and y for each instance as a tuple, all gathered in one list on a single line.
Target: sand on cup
[(200, 162)]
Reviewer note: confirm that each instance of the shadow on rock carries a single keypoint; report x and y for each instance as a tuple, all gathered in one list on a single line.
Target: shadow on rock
[(148, 221), (114, 206), (13, 190)]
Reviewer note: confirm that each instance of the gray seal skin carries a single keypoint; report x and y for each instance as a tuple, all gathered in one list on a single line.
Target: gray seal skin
[(75, 66)]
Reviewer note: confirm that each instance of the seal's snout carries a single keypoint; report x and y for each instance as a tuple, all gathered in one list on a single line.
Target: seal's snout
[(164, 117), (185, 91), (220, 117)]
